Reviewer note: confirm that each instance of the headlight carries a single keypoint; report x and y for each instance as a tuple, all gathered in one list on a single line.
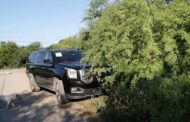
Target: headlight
[(72, 74)]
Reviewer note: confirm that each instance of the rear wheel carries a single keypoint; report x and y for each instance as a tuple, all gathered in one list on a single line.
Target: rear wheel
[(33, 86), (60, 92)]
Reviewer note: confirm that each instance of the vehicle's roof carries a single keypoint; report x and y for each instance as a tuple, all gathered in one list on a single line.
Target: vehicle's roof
[(57, 50)]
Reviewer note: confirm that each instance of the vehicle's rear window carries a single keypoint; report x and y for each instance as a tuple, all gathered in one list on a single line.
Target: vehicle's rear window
[(40, 57), (32, 58)]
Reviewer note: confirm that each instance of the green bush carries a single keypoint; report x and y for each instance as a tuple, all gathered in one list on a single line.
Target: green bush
[(70, 42), (13, 56), (147, 43), (157, 100), (9, 55)]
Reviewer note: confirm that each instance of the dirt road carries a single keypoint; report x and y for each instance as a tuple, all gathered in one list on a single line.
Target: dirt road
[(40, 106)]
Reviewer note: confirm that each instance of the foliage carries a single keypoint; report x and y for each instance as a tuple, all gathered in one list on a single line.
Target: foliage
[(9, 55), (33, 47), (157, 100), (85, 39), (13, 56), (70, 42), (147, 45), (94, 11)]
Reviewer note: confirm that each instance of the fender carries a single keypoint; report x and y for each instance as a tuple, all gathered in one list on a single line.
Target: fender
[(59, 73)]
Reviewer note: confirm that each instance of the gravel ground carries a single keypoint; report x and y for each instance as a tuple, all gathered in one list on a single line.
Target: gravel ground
[(39, 106)]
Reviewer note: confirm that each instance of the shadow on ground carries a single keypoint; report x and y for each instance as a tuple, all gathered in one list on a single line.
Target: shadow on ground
[(42, 106)]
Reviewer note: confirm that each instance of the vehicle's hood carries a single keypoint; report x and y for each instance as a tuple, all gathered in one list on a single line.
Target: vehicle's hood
[(73, 65)]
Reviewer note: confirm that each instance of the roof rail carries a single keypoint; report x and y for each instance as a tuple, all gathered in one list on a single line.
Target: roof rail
[(44, 49)]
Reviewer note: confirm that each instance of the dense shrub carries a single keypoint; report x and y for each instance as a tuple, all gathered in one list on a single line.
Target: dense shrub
[(9, 55), (13, 56), (147, 43), (70, 42), (160, 99)]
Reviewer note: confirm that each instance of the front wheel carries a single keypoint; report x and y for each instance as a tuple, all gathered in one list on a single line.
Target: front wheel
[(60, 92), (33, 86)]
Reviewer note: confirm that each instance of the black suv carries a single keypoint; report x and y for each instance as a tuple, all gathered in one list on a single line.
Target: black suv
[(61, 71)]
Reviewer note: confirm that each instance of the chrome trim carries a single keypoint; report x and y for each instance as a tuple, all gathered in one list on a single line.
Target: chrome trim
[(85, 75)]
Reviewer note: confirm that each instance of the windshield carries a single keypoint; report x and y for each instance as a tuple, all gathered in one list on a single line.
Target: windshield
[(68, 56)]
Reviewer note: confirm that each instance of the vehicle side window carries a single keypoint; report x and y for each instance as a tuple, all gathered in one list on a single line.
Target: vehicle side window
[(48, 56), (32, 58), (40, 57)]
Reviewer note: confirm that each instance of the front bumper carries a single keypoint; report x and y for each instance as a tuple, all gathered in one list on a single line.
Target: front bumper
[(82, 87), (84, 93)]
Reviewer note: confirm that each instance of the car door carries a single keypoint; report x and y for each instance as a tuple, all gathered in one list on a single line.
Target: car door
[(39, 67), (47, 70), (44, 69)]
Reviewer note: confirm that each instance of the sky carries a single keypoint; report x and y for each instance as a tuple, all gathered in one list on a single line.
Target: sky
[(47, 21)]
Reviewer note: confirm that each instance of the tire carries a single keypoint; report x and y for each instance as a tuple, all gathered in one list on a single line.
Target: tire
[(60, 92), (33, 86)]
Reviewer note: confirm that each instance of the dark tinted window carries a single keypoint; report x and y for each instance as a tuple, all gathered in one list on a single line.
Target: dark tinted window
[(48, 56), (68, 56), (32, 58), (40, 57)]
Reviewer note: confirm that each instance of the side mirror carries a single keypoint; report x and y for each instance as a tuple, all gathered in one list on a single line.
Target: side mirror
[(47, 61)]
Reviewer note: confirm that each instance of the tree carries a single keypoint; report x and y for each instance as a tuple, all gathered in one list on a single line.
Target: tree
[(147, 46), (95, 11), (33, 47), (13, 56), (70, 42), (8, 54)]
